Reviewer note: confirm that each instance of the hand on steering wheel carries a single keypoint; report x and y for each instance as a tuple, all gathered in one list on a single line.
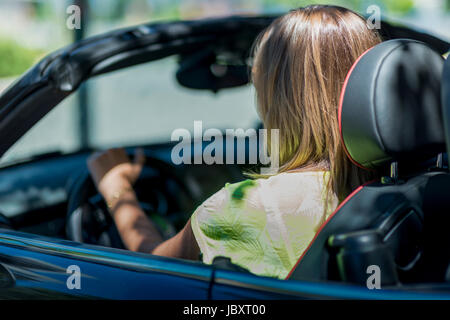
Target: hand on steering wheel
[(160, 190), (112, 171)]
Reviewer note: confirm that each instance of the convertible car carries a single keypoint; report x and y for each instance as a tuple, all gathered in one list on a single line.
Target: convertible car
[(394, 118)]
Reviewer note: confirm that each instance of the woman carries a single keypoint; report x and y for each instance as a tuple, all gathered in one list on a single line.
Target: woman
[(300, 63)]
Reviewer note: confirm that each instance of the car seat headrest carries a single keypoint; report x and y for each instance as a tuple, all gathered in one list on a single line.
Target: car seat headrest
[(390, 105)]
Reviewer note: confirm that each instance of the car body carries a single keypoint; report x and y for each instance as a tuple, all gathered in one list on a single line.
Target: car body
[(36, 266)]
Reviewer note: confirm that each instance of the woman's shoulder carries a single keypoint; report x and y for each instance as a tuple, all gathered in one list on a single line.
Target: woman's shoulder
[(239, 190), (292, 179), (299, 176), (239, 194), (288, 187), (294, 185)]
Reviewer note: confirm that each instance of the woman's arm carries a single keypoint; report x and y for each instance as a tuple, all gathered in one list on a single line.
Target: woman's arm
[(114, 176)]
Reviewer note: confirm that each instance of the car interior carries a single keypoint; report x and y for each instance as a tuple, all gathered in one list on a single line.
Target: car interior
[(398, 222)]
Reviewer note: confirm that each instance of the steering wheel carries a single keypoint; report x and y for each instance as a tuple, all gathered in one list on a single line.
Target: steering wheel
[(161, 193)]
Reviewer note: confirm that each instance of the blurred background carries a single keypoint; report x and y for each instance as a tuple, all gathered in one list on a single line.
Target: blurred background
[(144, 104)]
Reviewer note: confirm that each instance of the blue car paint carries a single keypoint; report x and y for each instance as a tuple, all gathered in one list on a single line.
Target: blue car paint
[(105, 273), (38, 266)]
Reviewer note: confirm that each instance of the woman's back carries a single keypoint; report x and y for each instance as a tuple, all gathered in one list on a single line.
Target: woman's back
[(264, 225)]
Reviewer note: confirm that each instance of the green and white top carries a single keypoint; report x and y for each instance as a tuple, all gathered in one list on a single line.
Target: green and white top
[(264, 225)]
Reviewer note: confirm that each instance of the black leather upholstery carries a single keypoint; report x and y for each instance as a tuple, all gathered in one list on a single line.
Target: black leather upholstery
[(417, 238), (390, 111), (391, 105)]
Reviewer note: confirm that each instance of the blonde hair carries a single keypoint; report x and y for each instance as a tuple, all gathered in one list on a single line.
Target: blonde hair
[(299, 66)]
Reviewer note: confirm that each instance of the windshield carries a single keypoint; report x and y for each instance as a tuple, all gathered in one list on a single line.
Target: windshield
[(138, 105), (144, 104)]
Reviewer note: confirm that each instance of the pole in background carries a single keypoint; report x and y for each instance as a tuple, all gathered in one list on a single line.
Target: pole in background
[(83, 91)]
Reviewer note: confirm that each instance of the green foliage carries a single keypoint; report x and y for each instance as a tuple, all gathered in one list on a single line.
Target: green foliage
[(351, 4), (399, 6), (166, 13), (15, 59), (391, 6)]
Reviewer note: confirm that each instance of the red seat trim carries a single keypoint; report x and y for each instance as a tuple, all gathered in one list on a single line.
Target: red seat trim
[(351, 195), (341, 101)]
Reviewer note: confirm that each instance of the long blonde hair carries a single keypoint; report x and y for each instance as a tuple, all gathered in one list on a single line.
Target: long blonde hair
[(299, 66)]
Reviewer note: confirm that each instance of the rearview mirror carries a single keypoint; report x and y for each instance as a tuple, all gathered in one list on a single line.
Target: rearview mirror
[(202, 71)]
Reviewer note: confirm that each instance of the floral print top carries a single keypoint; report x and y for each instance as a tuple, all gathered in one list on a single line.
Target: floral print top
[(264, 225)]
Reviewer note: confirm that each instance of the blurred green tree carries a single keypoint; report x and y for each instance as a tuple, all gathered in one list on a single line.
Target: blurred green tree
[(351, 4), (399, 6), (15, 59)]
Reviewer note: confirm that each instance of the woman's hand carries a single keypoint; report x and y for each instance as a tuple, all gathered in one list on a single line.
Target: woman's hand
[(114, 175), (112, 170)]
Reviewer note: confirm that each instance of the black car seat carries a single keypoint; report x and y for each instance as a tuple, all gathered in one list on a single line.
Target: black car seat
[(391, 121)]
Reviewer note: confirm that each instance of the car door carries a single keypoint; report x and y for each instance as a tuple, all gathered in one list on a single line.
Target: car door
[(36, 267)]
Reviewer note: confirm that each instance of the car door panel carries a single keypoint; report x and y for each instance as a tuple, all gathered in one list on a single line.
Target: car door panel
[(40, 270)]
